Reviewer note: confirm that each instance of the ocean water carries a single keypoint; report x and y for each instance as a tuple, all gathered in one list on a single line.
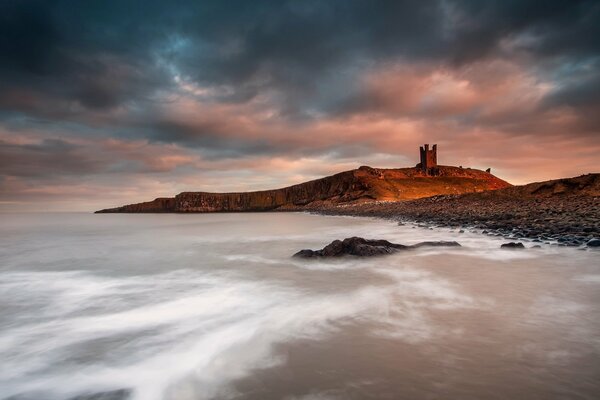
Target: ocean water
[(183, 307)]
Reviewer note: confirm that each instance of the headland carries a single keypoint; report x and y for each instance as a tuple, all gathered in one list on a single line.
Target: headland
[(565, 211)]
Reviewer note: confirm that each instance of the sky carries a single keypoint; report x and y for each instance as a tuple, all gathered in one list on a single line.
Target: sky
[(104, 103)]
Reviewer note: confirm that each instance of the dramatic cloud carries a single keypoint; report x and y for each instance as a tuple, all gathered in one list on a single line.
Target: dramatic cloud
[(106, 102)]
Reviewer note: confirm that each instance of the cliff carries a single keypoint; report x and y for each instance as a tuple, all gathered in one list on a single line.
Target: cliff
[(359, 185)]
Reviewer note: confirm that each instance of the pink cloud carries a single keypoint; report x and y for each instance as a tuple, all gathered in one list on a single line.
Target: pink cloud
[(408, 105), (487, 88)]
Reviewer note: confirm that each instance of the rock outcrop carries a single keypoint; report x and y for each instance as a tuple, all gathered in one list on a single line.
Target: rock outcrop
[(512, 245), (566, 211), (359, 185), (356, 246), (593, 243)]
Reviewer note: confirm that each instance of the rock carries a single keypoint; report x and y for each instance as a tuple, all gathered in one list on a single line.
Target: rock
[(440, 243), (335, 248), (593, 243), (537, 246), (360, 247), (512, 245), (306, 253)]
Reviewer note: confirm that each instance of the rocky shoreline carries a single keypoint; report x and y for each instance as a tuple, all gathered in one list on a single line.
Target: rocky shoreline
[(555, 212)]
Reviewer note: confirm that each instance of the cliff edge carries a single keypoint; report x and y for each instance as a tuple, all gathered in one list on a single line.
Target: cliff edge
[(364, 184)]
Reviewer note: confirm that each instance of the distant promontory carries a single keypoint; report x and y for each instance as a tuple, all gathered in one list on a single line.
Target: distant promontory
[(563, 211), (364, 184)]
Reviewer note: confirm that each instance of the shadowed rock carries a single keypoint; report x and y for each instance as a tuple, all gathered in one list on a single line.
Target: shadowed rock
[(512, 245), (593, 243), (356, 246)]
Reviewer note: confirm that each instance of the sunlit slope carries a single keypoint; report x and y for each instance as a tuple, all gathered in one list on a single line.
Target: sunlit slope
[(362, 184)]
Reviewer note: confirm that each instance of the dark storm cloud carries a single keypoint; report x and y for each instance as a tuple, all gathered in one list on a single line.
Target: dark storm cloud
[(61, 55), (552, 27), (100, 54), (51, 157), (122, 87), (54, 158), (212, 138), (581, 90)]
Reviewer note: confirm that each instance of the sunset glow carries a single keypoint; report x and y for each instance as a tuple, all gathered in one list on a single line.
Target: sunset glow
[(104, 103)]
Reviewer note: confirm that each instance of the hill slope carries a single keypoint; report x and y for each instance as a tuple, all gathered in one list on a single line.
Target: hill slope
[(564, 210), (359, 185)]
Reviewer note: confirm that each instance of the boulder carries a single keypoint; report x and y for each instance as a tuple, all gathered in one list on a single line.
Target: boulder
[(593, 243), (356, 246), (333, 249), (306, 253), (512, 245)]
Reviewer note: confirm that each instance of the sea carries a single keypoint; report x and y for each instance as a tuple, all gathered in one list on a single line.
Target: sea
[(213, 306)]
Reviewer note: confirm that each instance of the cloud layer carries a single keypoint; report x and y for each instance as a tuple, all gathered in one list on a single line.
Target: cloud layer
[(106, 102)]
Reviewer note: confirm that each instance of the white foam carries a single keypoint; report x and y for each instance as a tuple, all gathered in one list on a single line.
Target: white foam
[(182, 318), (206, 337), (588, 278)]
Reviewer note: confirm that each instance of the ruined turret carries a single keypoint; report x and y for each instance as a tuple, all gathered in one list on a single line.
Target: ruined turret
[(428, 162)]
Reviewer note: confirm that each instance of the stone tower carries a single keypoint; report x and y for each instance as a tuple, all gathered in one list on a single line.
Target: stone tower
[(429, 159)]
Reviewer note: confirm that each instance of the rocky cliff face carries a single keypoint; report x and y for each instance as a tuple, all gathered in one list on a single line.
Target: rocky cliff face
[(362, 184)]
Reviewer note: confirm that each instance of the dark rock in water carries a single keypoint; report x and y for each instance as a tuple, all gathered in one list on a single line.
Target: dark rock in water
[(537, 246), (593, 243), (306, 253), (512, 245), (360, 247), (440, 243), (333, 249)]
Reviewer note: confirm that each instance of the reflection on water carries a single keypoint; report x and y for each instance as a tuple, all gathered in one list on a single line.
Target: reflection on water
[(212, 306)]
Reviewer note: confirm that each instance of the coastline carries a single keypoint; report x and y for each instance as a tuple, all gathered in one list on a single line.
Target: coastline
[(564, 211), (569, 220), (363, 183)]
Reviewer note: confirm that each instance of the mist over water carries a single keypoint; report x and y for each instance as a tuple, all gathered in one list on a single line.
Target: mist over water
[(183, 307)]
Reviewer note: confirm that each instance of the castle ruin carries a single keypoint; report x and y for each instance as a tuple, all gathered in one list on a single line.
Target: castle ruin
[(428, 162)]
